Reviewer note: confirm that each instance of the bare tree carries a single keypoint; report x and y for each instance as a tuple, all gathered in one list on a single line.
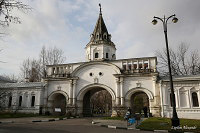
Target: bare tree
[(7, 8), (35, 69), (11, 77), (101, 100), (31, 69), (183, 61), (50, 56)]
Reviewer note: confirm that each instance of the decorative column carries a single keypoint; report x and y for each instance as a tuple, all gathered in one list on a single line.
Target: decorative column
[(127, 65), (178, 95), (154, 79), (143, 64), (117, 91), (74, 92), (71, 92), (198, 95), (122, 91), (15, 100), (149, 66), (189, 98)]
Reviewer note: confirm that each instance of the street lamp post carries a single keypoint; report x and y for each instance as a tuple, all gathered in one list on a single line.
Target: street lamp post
[(175, 120)]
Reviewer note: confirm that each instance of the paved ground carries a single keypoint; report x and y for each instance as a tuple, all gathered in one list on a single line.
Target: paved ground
[(78, 125), (117, 123)]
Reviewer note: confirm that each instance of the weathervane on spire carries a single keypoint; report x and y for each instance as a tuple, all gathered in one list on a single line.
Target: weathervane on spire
[(100, 7)]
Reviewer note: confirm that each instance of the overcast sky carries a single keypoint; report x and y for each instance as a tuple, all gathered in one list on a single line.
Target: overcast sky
[(67, 24)]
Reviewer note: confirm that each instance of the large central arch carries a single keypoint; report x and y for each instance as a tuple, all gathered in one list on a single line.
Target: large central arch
[(83, 97)]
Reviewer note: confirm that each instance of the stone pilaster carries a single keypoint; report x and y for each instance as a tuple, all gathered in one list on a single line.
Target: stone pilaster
[(74, 92), (117, 92), (121, 91), (71, 92)]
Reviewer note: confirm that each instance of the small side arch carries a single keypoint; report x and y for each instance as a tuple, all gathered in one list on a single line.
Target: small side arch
[(51, 96), (134, 90)]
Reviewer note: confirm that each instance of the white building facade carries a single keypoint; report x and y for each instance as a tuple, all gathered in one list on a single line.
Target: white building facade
[(69, 87)]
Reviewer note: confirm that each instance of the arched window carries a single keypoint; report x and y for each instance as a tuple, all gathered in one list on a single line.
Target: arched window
[(113, 56), (20, 101), (33, 101), (106, 55), (96, 55), (195, 101), (10, 101), (105, 37)]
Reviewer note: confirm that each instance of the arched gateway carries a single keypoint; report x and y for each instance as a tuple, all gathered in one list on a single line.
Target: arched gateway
[(103, 75), (57, 102), (138, 99), (96, 100)]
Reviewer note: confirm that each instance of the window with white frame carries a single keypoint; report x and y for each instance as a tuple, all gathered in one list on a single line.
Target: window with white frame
[(195, 101), (96, 55), (33, 101), (124, 65), (10, 101), (20, 101)]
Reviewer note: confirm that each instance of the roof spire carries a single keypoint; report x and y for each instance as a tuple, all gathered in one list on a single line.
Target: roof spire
[(100, 7)]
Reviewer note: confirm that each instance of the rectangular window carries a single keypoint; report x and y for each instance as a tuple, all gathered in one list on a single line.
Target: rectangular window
[(54, 71), (124, 66), (10, 101), (195, 101), (33, 101), (129, 66), (20, 101), (106, 55), (140, 65), (145, 64), (135, 65), (96, 55)]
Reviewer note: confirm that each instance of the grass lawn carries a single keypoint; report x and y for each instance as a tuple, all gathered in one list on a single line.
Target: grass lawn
[(16, 115), (20, 115), (155, 123)]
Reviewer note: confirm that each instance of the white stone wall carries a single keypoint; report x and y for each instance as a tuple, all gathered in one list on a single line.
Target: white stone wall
[(101, 49), (184, 102), (107, 78), (58, 86), (26, 94)]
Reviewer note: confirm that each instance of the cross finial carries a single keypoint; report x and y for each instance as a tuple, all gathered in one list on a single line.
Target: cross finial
[(100, 7)]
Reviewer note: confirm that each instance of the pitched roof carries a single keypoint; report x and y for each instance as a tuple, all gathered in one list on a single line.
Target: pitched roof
[(182, 78), (100, 31), (100, 26), (100, 34), (5, 80), (22, 85)]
